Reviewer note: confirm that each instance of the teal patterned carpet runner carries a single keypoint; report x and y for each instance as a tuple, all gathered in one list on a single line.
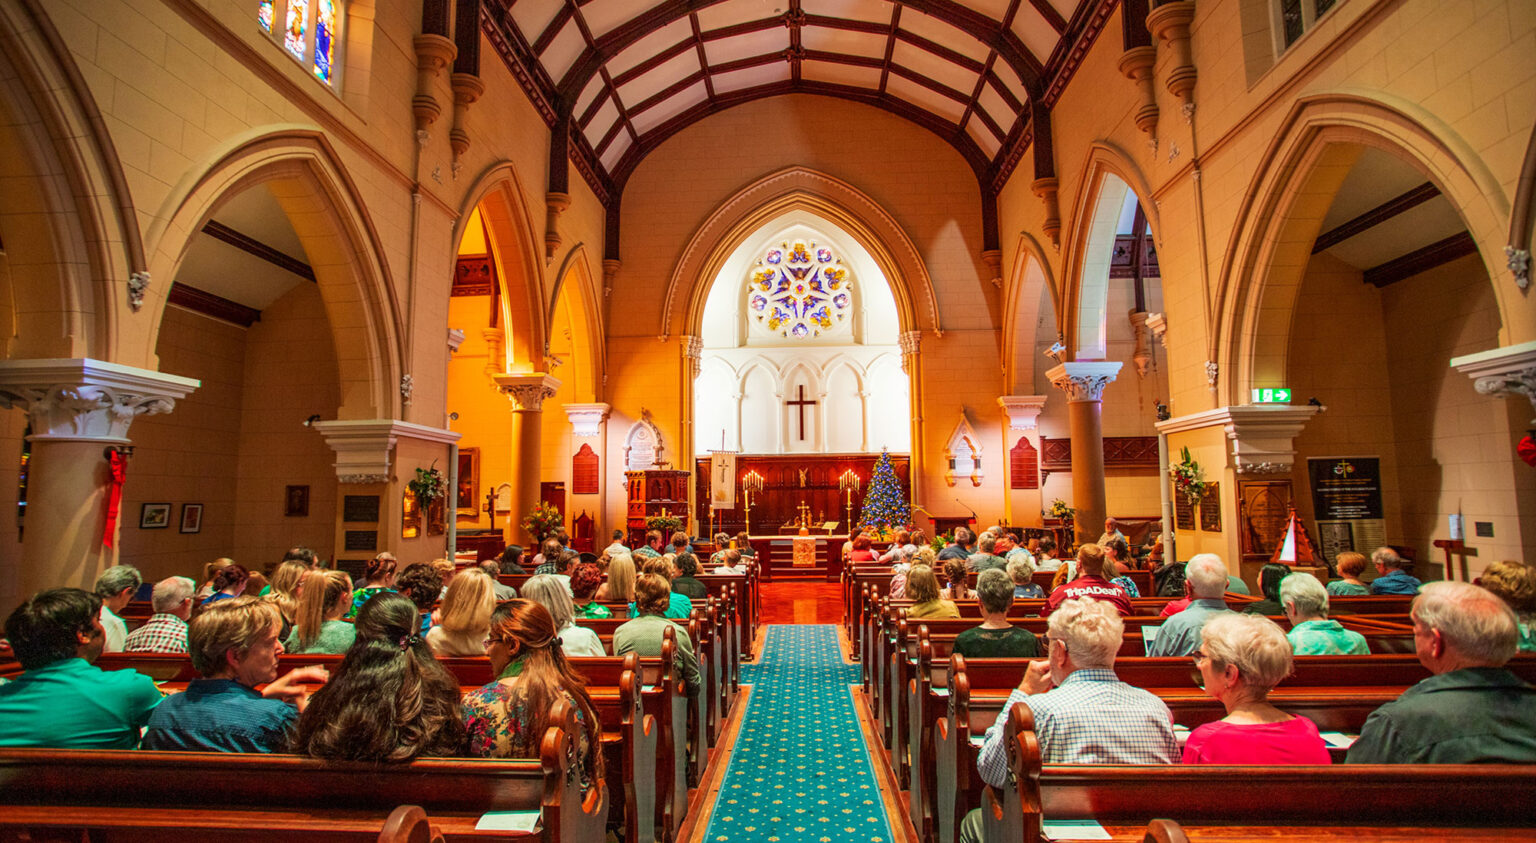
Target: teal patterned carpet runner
[(800, 771)]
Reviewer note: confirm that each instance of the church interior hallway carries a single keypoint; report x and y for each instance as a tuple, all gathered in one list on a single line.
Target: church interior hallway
[(795, 602), (800, 767)]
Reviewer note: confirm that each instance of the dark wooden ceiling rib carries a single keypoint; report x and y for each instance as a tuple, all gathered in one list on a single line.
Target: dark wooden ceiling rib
[(890, 46), (216, 307), (608, 136), (1421, 260), (1050, 14), (654, 62), (1375, 216), (698, 45), (794, 18), (520, 59), (808, 55), (1014, 103), (585, 119), (845, 24), (1086, 24), (256, 248), (671, 90), (556, 24), (981, 81), (940, 50), (937, 87)]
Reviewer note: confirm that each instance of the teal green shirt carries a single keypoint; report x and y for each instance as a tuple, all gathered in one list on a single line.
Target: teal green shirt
[(74, 704), (1527, 636), (1326, 638), (1340, 588), (335, 637)]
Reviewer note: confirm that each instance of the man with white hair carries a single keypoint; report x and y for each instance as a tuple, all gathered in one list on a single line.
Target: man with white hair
[(1305, 603), (116, 587), (1472, 710), (1392, 574), (1083, 713), (166, 629), (1206, 577)]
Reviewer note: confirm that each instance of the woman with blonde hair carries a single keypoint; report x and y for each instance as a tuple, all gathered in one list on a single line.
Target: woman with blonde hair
[(466, 615), (1515, 584), (923, 589), (324, 597), (507, 718), (621, 580), (286, 583)]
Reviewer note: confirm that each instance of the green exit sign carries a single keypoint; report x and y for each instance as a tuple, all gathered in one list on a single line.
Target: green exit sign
[(1272, 395)]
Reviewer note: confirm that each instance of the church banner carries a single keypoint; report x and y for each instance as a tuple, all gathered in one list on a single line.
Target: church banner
[(722, 479)]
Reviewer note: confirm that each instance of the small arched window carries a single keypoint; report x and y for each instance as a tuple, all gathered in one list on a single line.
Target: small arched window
[(1297, 16), (310, 32)]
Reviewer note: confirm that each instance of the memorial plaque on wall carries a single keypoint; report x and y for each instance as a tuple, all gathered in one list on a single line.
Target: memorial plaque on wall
[(584, 470), (1210, 508), (361, 540), (1345, 488), (360, 509), (1024, 465), (1183, 513)]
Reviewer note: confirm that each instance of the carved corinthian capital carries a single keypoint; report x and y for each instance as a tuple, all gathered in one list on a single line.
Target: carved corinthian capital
[(693, 352), (1084, 380), (528, 392), (73, 399), (911, 345)]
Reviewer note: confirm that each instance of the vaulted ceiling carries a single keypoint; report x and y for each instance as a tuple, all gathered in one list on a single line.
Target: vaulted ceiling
[(625, 75)]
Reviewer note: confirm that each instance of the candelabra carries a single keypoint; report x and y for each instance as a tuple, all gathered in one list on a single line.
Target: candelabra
[(850, 484), (751, 482)]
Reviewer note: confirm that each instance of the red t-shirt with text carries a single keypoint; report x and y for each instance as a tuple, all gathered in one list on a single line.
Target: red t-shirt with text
[(1088, 586)]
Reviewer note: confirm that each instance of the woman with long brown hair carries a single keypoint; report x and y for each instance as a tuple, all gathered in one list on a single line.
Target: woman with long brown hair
[(323, 598), (286, 583), (389, 700), (507, 718)]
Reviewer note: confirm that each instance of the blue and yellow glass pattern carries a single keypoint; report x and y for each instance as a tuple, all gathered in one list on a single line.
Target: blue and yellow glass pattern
[(325, 40), (799, 290), (297, 28), (264, 14)]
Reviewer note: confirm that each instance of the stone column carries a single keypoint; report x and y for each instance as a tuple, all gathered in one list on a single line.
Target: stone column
[(79, 408), (1084, 383), (527, 393), (912, 366)]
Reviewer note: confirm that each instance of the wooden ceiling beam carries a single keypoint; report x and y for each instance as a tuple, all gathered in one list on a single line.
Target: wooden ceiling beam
[(1362, 223), (1421, 260), (552, 31)]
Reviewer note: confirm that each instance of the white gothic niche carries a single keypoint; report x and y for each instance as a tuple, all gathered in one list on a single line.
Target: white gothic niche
[(642, 446), (800, 348), (963, 453)]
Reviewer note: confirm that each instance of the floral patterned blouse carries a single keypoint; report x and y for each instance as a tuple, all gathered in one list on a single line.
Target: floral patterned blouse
[(498, 722)]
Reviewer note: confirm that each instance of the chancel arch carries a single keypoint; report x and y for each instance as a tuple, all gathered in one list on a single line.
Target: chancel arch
[(522, 308), (795, 322)]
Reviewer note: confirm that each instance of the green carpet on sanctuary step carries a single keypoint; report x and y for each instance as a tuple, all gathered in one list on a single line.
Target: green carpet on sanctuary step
[(800, 770)]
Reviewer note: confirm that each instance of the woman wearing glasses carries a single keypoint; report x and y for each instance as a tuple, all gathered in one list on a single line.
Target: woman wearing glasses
[(1241, 658)]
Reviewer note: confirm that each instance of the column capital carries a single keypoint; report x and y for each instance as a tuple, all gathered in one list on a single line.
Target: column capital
[(1084, 380), (1263, 436), (365, 447), (1510, 370), (1022, 410), (80, 399), (586, 419), (693, 352), (528, 391)]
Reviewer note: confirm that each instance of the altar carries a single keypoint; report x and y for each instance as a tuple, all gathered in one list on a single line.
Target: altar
[(788, 481)]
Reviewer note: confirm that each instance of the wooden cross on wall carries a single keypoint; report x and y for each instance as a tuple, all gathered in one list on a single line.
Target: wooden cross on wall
[(801, 403)]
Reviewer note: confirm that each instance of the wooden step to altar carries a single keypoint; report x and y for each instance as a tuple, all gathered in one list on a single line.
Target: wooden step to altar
[(818, 573)]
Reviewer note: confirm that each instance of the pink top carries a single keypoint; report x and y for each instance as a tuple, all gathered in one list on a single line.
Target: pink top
[(1293, 741)]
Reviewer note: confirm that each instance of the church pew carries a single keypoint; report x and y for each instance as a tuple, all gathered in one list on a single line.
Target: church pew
[(636, 699), (134, 795), (1338, 693), (1338, 802)]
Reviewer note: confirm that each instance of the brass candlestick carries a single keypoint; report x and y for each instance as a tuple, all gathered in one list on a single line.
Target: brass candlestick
[(751, 482), (850, 484)]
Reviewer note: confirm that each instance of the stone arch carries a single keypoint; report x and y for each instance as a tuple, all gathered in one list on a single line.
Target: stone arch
[(68, 270), (1294, 185), (1021, 308), (574, 283), (800, 188), (305, 176), (1105, 170), (517, 249)]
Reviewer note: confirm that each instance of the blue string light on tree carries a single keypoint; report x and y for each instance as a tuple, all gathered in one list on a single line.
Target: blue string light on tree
[(885, 504)]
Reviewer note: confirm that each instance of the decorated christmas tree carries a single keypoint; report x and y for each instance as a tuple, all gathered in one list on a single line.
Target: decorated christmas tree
[(885, 504)]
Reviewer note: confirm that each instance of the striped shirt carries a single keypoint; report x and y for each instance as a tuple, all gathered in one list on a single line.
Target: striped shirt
[(162, 633), (1090, 718)]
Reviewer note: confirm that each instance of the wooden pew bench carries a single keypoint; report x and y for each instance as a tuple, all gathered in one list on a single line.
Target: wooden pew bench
[(1356, 802), (134, 795)]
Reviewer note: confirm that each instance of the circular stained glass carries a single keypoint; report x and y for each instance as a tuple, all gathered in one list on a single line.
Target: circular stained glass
[(799, 290)]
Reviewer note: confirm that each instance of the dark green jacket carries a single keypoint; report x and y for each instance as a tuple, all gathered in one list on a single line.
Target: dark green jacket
[(1478, 714)]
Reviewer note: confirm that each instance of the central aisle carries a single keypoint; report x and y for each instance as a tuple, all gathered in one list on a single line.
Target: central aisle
[(800, 770)]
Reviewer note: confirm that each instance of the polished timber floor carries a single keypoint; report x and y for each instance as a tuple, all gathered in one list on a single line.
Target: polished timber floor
[(800, 769), (802, 602)]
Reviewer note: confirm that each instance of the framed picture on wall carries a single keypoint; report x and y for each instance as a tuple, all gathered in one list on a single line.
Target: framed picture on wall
[(155, 516), (191, 518), (296, 502), (467, 500)]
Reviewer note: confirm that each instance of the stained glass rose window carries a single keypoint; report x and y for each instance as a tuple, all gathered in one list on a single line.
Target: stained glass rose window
[(799, 290)]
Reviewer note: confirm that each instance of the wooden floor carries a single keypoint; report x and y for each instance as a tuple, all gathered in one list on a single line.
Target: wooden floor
[(802, 602)]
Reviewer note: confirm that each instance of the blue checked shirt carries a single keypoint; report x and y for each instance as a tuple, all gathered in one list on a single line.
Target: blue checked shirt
[(1090, 718)]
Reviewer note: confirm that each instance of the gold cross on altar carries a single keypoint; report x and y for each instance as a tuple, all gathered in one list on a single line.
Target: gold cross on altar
[(805, 515)]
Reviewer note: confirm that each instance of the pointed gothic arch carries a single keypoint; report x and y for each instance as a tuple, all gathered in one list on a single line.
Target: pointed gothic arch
[(799, 188), (1030, 282), (1108, 171), (516, 247), (301, 169), (1293, 187), (574, 291)]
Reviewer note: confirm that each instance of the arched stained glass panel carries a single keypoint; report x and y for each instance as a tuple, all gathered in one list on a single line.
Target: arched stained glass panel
[(799, 290)]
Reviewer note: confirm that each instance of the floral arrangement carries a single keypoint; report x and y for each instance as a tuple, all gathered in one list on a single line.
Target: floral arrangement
[(666, 524), (543, 521), (1061, 511), (1188, 479), (941, 541), (429, 485)]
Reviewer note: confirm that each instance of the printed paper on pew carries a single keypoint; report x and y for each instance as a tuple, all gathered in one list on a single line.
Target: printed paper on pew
[(1073, 830), (1338, 740), (509, 821), (1148, 635)]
